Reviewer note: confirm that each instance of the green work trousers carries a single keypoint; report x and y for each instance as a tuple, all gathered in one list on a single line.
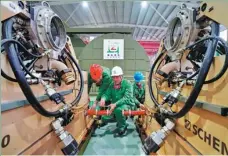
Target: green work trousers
[(120, 118)]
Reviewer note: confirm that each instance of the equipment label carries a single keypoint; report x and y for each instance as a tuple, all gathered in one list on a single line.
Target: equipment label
[(208, 138), (5, 141)]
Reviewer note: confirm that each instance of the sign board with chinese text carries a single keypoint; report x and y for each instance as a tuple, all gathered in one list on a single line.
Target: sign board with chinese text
[(113, 49)]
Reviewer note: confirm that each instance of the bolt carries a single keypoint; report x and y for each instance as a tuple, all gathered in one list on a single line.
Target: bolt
[(211, 8)]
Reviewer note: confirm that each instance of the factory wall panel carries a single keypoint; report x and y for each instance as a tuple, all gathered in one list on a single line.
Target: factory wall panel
[(135, 57)]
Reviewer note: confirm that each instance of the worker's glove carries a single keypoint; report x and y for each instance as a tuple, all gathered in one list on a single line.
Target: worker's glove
[(142, 106), (94, 104), (112, 107), (88, 99), (102, 103)]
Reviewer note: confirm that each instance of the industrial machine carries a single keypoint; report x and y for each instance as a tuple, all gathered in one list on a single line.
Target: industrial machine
[(188, 85), (185, 96), (40, 56)]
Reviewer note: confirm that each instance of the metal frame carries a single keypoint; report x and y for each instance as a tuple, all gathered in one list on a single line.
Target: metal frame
[(193, 3), (76, 8), (151, 35), (99, 30), (94, 20), (120, 24), (158, 13)]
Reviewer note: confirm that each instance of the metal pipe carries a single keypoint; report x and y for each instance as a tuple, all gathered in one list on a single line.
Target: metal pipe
[(154, 141), (66, 75), (107, 112), (58, 65), (170, 67)]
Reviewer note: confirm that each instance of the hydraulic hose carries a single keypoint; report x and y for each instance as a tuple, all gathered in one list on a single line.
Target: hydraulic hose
[(201, 76), (3, 73), (21, 46), (225, 65), (10, 40), (7, 42), (193, 75), (19, 74), (75, 102), (28, 72), (7, 77), (150, 79)]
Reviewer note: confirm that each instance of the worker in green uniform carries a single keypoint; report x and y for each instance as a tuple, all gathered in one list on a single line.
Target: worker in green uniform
[(139, 90), (101, 76), (120, 92)]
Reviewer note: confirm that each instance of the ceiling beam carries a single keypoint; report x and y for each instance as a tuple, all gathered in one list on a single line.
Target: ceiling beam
[(92, 15), (76, 8), (162, 34), (193, 3), (120, 24), (159, 13), (98, 30), (137, 22)]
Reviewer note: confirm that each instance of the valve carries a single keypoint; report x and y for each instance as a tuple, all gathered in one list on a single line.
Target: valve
[(154, 141), (172, 97), (68, 117), (52, 94), (69, 145)]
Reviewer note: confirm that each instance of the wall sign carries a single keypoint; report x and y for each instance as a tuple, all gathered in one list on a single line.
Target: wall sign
[(113, 49)]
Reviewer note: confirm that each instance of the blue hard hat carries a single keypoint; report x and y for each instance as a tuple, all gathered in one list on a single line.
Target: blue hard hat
[(138, 76)]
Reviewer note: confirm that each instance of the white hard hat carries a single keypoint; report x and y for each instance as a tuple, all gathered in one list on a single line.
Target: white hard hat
[(117, 71)]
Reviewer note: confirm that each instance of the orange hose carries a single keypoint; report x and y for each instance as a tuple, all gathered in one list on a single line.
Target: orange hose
[(138, 112), (96, 112), (106, 112)]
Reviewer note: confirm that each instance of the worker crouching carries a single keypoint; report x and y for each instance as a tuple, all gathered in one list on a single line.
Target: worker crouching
[(120, 92), (101, 76), (139, 90)]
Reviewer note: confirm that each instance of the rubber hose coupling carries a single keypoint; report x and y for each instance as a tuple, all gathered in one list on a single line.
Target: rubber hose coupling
[(67, 76)]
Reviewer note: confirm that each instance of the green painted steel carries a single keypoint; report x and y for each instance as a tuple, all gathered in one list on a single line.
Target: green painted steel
[(78, 45), (135, 58)]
